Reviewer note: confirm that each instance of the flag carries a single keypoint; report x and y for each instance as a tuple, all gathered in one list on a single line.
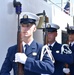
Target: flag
[(67, 8)]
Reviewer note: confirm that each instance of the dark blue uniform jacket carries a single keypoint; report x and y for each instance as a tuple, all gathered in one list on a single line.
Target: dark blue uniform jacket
[(72, 65), (33, 65), (60, 59)]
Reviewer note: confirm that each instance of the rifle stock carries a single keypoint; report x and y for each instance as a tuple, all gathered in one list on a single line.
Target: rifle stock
[(20, 70)]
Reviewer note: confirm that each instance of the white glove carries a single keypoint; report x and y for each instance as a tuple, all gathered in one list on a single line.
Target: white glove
[(66, 70), (20, 57)]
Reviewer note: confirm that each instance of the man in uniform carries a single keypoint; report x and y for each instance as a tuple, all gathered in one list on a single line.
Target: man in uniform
[(30, 57), (60, 54), (70, 31)]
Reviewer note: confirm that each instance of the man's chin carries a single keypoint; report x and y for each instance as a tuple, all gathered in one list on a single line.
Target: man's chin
[(25, 37)]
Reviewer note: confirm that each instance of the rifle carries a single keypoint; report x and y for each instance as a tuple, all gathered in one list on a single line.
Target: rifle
[(43, 20), (17, 5), (66, 65), (66, 42)]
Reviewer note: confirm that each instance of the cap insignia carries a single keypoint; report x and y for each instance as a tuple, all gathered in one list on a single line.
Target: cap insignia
[(25, 16)]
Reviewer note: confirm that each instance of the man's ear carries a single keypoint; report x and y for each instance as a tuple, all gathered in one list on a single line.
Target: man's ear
[(56, 34), (35, 29)]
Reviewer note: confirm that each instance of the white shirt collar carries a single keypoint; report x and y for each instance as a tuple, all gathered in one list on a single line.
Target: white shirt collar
[(51, 44), (28, 43)]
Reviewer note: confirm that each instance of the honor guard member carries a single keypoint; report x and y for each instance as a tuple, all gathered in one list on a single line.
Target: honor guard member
[(30, 58), (61, 53), (70, 31)]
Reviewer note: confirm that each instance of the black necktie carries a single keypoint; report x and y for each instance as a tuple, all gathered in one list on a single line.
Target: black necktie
[(70, 45), (50, 47), (26, 48)]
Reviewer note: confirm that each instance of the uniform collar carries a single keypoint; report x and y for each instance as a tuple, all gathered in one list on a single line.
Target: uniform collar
[(51, 44), (28, 43), (72, 43)]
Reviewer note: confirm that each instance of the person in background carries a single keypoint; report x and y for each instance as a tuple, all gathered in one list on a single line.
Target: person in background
[(61, 53), (70, 31), (31, 52)]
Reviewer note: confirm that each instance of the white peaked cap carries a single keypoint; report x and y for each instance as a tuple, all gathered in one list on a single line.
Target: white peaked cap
[(30, 15)]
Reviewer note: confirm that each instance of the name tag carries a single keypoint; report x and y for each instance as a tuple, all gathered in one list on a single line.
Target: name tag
[(57, 51), (34, 53)]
